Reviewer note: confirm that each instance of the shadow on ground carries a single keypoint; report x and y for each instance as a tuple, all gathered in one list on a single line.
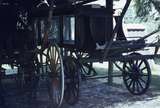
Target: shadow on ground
[(95, 93)]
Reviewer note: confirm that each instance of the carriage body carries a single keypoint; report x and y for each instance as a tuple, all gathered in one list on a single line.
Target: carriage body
[(73, 27), (83, 28), (59, 40)]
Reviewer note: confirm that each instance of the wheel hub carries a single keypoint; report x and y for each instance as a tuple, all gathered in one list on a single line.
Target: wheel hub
[(135, 73)]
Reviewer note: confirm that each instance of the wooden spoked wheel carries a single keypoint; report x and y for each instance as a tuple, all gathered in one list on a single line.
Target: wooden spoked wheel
[(72, 81), (56, 75), (87, 69), (137, 75)]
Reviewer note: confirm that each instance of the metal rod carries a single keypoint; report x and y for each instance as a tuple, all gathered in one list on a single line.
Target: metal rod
[(148, 35), (121, 58), (103, 76)]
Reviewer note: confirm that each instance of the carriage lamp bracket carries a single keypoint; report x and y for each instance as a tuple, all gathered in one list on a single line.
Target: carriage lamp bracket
[(157, 44)]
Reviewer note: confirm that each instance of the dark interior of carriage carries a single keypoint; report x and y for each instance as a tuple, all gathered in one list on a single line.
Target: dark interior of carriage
[(79, 25)]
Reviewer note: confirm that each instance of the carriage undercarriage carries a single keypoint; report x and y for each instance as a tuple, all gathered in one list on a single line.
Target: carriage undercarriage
[(60, 52)]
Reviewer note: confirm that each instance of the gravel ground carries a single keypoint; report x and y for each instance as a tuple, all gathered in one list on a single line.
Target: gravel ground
[(94, 94), (97, 94)]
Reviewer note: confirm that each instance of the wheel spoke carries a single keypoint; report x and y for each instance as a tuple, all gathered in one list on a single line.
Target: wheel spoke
[(143, 74), (146, 75), (51, 53), (127, 73), (127, 79), (129, 85), (137, 85), (55, 53), (131, 64), (136, 62), (140, 84), (58, 69), (129, 69), (140, 64), (133, 86), (143, 69), (57, 60), (142, 80), (127, 76)]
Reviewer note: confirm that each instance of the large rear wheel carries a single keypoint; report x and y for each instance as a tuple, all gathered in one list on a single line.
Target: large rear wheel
[(55, 71)]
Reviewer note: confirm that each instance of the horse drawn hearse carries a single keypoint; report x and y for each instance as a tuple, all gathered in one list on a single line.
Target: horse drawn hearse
[(55, 39)]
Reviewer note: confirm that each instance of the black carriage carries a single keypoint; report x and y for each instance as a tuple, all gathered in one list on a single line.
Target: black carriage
[(56, 39)]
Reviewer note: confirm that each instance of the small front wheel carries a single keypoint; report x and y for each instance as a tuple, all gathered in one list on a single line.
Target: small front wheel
[(137, 75)]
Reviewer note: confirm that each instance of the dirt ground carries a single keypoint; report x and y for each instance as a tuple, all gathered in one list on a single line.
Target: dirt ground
[(100, 95), (93, 94)]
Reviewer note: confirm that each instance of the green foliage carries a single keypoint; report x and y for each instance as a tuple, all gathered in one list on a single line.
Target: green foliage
[(156, 4), (143, 7)]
